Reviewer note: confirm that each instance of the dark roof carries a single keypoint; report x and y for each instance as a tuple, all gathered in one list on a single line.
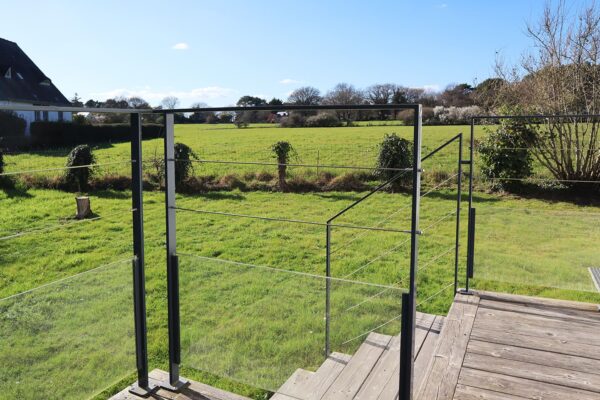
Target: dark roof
[(22, 81)]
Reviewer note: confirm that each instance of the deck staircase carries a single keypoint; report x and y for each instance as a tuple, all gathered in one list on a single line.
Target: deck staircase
[(370, 374)]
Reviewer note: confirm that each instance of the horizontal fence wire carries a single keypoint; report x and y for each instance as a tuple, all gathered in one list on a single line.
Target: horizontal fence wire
[(372, 330), (299, 273), (130, 259), (64, 226), (435, 294), (65, 168), (295, 221), (392, 215), (421, 269), (274, 164), (593, 214)]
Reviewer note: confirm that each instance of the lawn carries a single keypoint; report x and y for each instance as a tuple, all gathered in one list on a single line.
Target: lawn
[(253, 323)]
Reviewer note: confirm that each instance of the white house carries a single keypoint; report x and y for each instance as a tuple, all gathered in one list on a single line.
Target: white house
[(22, 82)]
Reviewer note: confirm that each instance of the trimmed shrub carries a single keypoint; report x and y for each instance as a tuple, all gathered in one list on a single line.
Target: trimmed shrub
[(59, 134), (395, 152), (325, 120), (12, 129), (80, 177), (505, 153), (183, 166), (293, 120)]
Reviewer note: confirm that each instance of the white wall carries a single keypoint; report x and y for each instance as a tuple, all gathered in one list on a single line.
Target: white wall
[(29, 116)]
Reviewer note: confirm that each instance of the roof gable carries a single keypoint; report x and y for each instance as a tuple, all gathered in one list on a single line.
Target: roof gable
[(22, 81)]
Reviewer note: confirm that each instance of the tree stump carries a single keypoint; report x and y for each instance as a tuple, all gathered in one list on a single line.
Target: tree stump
[(84, 209)]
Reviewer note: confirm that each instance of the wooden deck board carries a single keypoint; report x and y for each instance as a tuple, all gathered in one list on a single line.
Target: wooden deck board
[(519, 348)]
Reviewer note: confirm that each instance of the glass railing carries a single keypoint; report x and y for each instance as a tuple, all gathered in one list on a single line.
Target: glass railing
[(258, 325), (69, 339), (525, 249)]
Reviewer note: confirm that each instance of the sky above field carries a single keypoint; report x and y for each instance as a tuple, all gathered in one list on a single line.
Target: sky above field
[(216, 51)]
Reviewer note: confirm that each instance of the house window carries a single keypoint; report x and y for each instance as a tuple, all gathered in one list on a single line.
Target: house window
[(45, 114), (37, 116), (61, 116)]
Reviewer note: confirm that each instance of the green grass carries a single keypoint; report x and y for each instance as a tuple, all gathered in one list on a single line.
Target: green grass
[(246, 329)]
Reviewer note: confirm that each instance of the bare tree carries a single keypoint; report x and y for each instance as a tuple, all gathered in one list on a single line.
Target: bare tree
[(306, 95), (381, 93), (169, 102), (344, 93), (561, 76)]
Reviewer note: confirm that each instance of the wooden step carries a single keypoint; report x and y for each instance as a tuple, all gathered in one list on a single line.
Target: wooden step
[(352, 377), (297, 384)]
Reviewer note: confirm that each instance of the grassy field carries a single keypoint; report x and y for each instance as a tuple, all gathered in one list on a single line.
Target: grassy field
[(247, 324)]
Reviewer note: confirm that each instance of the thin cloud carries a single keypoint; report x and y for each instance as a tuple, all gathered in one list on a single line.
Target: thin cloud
[(181, 46), (432, 88), (289, 81)]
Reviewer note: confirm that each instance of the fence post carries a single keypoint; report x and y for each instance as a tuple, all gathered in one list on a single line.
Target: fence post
[(410, 309), (470, 222), (470, 246), (458, 201), (175, 381), (327, 289), (143, 386)]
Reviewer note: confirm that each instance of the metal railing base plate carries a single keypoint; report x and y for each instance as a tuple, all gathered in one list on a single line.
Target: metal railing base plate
[(143, 392), (180, 384)]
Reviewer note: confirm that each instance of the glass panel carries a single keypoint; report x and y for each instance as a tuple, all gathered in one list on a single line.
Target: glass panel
[(536, 248), (69, 339), (258, 325)]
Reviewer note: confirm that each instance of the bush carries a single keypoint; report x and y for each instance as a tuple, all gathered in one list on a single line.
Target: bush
[(293, 120), (395, 152), (407, 116), (12, 128), (59, 134), (505, 153), (80, 155), (183, 164), (325, 120), (455, 115)]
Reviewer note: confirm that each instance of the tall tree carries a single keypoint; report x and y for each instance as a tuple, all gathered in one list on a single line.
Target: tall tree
[(170, 102), (344, 93), (307, 96)]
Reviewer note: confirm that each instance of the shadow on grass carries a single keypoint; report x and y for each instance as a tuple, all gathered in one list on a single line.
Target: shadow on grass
[(17, 193), (216, 195), (589, 197)]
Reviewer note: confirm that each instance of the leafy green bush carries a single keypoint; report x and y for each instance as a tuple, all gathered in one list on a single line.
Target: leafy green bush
[(506, 153), (81, 155), (293, 120), (395, 152), (183, 166), (324, 119)]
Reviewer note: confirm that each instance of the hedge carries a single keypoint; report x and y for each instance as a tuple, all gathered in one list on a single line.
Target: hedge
[(12, 129), (59, 134)]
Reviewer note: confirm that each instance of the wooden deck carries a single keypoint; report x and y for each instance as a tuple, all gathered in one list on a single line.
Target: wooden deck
[(496, 346)]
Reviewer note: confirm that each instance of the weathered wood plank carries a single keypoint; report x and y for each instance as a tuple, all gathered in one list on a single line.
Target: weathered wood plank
[(297, 384), (521, 387), (389, 388), (563, 314), (326, 375), (195, 391), (521, 326), (536, 343), (350, 380), (441, 379), (536, 372), (473, 393), (428, 350), (574, 363), (536, 301)]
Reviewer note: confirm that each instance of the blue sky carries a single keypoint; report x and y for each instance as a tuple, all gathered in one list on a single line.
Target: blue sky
[(216, 51)]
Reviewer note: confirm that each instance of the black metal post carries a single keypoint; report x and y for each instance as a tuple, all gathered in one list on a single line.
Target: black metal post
[(458, 201), (406, 361), (470, 222), (175, 381), (409, 316), (142, 387), (328, 291), (470, 246)]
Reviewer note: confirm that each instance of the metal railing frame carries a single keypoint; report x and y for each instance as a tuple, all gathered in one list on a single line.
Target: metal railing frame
[(471, 210)]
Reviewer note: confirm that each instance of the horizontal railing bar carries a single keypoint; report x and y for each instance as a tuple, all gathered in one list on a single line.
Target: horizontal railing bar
[(63, 226), (67, 278), (28, 171), (479, 117), (296, 107), (322, 277), (296, 221), (274, 164)]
